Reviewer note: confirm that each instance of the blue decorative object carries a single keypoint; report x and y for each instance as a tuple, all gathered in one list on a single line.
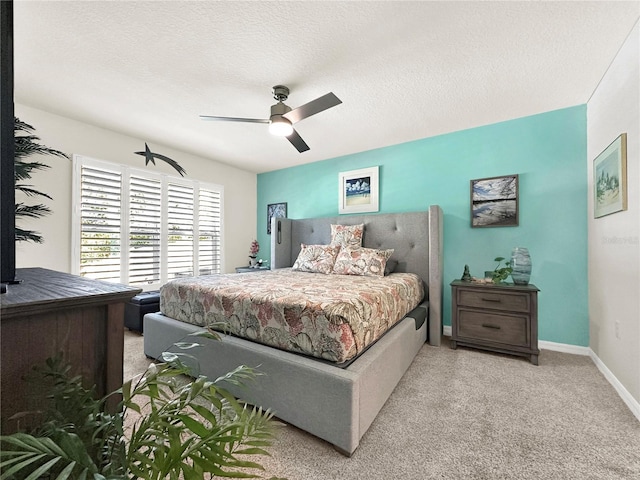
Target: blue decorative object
[(521, 264)]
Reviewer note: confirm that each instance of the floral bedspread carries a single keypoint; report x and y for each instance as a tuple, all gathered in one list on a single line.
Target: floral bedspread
[(333, 317)]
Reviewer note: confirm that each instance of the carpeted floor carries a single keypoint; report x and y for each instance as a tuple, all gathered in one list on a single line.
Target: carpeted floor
[(467, 414)]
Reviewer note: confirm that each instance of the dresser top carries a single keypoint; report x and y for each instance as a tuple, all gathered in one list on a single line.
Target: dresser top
[(496, 286), (42, 289)]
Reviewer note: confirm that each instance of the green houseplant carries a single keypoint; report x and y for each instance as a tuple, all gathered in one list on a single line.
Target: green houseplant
[(26, 144), (500, 274), (181, 429)]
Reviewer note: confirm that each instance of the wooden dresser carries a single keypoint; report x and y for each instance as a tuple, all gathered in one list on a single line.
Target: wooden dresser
[(52, 312), (498, 317)]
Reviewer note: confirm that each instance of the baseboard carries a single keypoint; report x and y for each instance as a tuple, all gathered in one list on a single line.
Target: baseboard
[(564, 348), (626, 397)]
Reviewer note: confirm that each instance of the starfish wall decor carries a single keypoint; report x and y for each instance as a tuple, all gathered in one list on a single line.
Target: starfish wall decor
[(149, 156)]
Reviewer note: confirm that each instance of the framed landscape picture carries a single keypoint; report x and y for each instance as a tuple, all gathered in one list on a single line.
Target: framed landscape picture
[(278, 210), (494, 202), (610, 179), (358, 191)]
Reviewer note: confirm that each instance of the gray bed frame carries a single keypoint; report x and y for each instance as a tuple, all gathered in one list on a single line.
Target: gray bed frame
[(335, 404)]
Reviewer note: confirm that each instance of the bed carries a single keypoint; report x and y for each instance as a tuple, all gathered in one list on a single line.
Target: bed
[(337, 403)]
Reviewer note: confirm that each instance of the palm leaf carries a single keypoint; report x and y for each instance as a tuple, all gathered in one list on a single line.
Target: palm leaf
[(32, 211), (28, 235), (185, 430), (31, 192), (26, 145), (22, 169)]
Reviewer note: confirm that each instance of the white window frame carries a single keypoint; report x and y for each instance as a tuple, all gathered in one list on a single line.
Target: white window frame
[(126, 172)]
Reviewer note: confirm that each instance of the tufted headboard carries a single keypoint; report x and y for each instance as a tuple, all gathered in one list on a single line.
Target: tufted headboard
[(416, 238)]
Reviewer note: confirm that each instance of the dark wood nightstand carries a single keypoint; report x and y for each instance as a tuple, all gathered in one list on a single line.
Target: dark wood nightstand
[(251, 269), (498, 317)]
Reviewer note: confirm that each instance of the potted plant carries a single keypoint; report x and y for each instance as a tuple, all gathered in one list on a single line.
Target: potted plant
[(26, 144), (500, 274), (182, 429), (253, 253)]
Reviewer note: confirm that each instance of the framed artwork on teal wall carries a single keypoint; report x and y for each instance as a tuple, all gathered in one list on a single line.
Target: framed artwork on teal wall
[(610, 179), (359, 190), (278, 210), (494, 202)]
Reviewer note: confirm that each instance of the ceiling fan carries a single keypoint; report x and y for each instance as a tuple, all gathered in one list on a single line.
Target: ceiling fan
[(283, 117)]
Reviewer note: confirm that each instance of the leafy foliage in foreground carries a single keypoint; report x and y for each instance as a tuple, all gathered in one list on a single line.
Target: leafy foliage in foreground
[(184, 429)]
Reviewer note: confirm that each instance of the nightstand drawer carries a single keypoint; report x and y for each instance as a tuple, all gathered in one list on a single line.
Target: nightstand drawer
[(512, 302), (507, 329)]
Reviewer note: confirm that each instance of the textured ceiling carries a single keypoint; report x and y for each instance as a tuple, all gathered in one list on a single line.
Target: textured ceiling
[(404, 70)]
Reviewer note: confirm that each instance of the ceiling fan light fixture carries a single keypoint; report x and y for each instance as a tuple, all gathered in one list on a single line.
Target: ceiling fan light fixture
[(280, 126)]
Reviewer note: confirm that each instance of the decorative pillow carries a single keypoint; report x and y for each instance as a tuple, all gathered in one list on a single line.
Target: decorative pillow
[(347, 235), (361, 261), (316, 258)]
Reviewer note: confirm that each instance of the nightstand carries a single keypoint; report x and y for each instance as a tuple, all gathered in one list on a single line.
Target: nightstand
[(497, 317), (250, 269)]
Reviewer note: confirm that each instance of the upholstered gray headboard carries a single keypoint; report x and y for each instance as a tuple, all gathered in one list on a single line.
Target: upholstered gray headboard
[(416, 238)]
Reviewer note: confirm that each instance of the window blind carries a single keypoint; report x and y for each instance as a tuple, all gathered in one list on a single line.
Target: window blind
[(143, 228), (145, 223), (100, 219)]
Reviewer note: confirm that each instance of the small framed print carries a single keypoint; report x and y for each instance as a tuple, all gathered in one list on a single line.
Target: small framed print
[(278, 210), (494, 202), (610, 179), (358, 191)]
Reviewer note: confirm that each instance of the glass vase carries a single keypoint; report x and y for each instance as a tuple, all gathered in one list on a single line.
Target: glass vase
[(521, 265)]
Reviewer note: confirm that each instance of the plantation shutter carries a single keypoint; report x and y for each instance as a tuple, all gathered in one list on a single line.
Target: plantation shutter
[(143, 228), (209, 232), (100, 220), (180, 240), (145, 222)]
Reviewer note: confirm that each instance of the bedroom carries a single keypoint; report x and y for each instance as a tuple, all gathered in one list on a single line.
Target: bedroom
[(551, 150)]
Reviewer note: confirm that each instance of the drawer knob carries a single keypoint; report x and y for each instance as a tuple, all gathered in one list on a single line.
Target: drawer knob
[(495, 300), (489, 325)]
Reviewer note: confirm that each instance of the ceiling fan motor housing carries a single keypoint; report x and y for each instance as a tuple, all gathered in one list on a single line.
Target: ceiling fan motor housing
[(279, 109), (280, 93)]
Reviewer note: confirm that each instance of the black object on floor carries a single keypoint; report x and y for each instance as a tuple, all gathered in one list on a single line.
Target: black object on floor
[(138, 307)]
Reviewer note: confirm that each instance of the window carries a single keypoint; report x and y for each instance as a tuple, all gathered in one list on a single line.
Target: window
[(142, 228)]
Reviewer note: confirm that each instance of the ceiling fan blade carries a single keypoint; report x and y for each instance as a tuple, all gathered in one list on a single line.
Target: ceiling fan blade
[(314, 106), (233, 119), (297, 141)]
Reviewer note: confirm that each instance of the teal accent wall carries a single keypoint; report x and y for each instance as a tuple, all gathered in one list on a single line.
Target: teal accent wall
[(547, 151)]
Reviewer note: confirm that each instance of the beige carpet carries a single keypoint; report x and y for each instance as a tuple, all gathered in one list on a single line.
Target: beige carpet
[(467, 414)]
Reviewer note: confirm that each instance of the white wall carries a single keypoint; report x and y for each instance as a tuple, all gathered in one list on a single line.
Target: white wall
[(614, 240), (73, 137)]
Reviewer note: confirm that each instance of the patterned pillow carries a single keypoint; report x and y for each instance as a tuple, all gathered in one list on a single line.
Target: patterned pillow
[(362, 261), (316, 258), (347, 235)]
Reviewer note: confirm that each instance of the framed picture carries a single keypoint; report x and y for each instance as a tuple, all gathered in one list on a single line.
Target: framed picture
[(358, 191), (610, 179), (278, 210), (494, 202)]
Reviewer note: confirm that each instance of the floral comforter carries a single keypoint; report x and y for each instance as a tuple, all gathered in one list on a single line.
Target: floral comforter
[(334, 317)]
